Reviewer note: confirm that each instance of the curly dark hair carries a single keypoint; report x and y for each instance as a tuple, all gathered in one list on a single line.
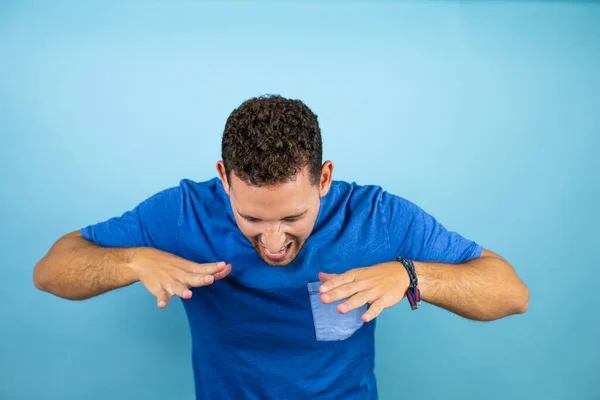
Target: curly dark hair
[(269, 139)]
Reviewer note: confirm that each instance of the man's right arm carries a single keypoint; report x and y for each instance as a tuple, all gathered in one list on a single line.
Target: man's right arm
[(75, 268)]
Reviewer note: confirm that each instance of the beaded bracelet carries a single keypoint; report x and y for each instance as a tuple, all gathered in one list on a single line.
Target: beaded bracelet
[(412, 294)]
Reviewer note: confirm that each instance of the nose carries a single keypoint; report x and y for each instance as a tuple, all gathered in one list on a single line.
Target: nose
[(273, 240)]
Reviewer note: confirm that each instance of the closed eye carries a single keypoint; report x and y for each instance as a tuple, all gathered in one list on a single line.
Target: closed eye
[(294, 218), (290, 219)]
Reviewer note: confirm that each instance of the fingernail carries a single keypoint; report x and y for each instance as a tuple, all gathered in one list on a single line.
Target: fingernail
[(326, 298), (220, 264), (324, 288), (208, 278), (343, 308)]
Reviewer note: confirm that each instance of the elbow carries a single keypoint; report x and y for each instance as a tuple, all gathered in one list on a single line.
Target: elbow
[(522, 304), (39, 281), (517, 305), (42, 282), (525, 305), (45, 281), (42, 278)]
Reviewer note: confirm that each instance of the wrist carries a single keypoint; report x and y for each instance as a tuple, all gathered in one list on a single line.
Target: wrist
[(132, 258), (413, 293), (423, 280)]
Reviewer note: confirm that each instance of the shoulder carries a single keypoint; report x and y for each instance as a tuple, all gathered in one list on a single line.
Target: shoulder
[(205, 190), (364, 195), (187, 191), (353, 199), (203, 198), (371, 199), (353, 191)]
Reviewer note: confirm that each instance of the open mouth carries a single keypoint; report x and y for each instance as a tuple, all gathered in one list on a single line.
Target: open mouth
[(277, 256)]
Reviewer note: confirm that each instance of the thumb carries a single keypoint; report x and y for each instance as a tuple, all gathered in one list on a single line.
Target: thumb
[(324, 277)]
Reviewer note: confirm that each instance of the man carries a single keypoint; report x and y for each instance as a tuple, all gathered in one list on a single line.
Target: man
[(282, 270)]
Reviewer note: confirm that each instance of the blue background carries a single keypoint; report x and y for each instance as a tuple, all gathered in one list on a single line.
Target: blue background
[(486, 114)]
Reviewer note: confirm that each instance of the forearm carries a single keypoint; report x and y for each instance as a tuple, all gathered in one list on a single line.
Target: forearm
[(77, 269), (486, 288)]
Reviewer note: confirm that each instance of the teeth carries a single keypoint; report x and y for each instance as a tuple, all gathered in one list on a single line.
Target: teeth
[(281, 251)]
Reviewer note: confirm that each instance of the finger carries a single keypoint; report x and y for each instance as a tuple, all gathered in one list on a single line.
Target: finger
[(162, 299), (324, 277), (181, 290), (336, 281), (222, 274), (342, 292), (357, 301), (198, 280), (208, 269), (374, 310)]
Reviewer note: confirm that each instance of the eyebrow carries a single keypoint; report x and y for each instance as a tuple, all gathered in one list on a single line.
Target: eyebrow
[(295, 216)]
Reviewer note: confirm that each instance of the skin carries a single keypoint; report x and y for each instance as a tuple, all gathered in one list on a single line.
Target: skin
[(77, 269), (485, 289), (272, 217)]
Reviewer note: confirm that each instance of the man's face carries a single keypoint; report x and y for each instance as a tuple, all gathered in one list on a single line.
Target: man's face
[(277, 219)]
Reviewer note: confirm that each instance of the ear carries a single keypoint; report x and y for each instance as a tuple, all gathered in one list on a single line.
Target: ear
[(326, 178), (223, 176)]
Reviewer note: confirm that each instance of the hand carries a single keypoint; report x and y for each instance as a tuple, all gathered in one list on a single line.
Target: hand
[(166, 275), (381, 286)]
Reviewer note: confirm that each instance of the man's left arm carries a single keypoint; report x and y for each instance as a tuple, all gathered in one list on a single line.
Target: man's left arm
[(453, 273), (484, 288)]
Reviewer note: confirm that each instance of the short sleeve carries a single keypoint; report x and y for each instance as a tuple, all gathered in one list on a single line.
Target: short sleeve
[(414, 234), (152, 223)]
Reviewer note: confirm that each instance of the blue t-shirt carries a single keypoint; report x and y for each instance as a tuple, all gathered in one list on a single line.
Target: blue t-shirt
[(262, 332)]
